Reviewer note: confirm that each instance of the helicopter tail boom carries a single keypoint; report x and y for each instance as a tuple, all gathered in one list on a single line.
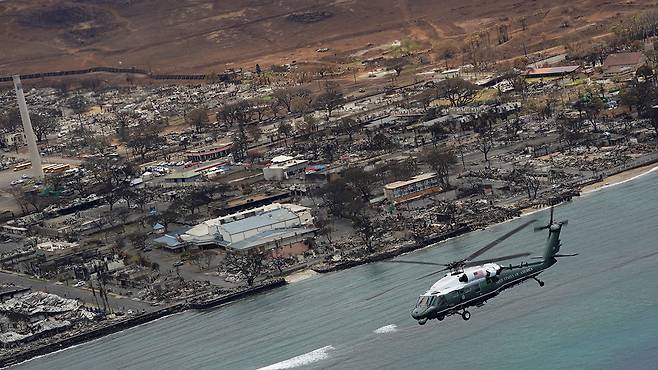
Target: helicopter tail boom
[(553, 243)]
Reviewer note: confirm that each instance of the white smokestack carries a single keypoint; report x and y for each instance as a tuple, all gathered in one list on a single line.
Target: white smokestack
[(35, 158)]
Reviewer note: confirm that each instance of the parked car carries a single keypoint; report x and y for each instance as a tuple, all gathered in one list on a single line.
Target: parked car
[(80, 284), (178, 263)]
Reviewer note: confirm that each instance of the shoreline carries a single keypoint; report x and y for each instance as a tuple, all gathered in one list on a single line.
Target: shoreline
[(615, 179), (97, 333), (139, 320), (620, 178)]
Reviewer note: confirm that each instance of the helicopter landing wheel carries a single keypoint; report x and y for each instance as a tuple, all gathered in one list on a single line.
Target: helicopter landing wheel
[(466, 315), (440, 318), (541, 283), (422, 321)]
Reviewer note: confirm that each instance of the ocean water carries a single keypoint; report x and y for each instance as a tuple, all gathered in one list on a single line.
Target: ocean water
[(598, 310)]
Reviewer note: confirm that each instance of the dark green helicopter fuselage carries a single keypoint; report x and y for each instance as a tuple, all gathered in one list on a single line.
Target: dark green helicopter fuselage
[(473, 286)]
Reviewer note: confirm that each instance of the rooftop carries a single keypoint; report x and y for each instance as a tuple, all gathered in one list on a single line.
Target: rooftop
[(257, 221), (269, 236), (183, 175), (288, 164), (623, 59), (551, 70), (413, 180)]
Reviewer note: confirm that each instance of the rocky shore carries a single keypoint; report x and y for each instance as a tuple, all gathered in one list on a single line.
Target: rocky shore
[(199, 303)]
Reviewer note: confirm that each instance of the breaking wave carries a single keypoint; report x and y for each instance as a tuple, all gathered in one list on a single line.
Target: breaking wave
[(386, 329), (302, 360)]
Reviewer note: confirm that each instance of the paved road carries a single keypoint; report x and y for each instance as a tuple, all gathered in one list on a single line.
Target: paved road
[(83, 294)]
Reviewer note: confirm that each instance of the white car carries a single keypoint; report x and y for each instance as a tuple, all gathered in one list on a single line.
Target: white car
[(80, 284)]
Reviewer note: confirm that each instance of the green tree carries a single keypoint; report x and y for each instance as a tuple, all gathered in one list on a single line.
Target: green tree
[(457, 91)]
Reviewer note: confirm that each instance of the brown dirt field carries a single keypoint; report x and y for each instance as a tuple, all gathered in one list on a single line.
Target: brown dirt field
[(210, 35)]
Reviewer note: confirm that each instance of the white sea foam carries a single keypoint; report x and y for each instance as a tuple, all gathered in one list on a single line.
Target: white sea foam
[(302, 360), (386, 329)]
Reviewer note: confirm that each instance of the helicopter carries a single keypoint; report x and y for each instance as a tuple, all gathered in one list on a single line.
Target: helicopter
[(470, 283)]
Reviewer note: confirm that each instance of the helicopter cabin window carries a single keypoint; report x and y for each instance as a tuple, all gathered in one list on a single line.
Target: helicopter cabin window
[(463, 278)]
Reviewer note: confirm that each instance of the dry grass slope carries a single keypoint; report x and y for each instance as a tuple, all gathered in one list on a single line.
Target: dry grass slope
[(207, 35)]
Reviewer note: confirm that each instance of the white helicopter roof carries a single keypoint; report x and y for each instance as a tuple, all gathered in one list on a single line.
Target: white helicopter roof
[(446, 284), (450, 282)]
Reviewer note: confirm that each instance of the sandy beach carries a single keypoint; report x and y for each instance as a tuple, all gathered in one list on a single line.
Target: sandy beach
[(619, 178), (300, 275), (606, 182)]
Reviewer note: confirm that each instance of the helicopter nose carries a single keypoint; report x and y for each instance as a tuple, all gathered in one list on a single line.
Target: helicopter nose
[(418, 313)]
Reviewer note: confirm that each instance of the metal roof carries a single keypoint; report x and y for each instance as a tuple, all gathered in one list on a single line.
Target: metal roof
[(623, 59), (258, 221), (415, 179), (269, 236), (551, 70)]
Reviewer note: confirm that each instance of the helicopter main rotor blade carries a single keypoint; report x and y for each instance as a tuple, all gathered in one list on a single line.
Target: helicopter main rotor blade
[(479, 262), (433, 273), (498, 241), (387, 290), (417, 262), (497, 259)]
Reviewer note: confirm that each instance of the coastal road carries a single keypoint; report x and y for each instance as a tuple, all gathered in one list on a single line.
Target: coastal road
[(83, 294)]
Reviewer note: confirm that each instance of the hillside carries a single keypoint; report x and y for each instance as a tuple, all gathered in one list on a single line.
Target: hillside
[(205, 35)]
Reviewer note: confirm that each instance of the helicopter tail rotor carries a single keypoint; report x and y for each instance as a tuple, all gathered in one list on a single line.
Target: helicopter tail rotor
[(551, 222)]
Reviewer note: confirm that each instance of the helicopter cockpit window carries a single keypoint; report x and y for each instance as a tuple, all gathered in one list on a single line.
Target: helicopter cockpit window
[(423, 301)]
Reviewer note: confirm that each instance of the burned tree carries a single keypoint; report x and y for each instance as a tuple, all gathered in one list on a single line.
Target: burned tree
[(330, 99), (348, 127), (44, 124), (248, 265), (528, 179), (361, 181), (485, 144), (198, 118), (570, 130), (365, 229), (340, 199), (144, 139), (441, 162), (285, 97), (590, 106), (111, 176)]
